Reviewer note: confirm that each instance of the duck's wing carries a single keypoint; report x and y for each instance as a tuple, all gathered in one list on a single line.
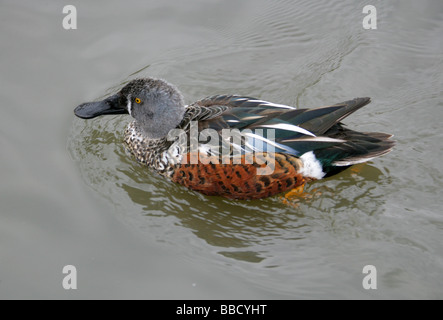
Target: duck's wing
[(232, 114), (268, 126), (232, 111), (280, 128)]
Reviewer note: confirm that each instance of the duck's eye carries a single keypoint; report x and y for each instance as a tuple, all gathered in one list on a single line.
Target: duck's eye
[(137, 100)]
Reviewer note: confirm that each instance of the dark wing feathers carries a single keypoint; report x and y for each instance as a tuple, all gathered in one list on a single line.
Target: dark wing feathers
[(296, 130), (359, 146), (319, 120)]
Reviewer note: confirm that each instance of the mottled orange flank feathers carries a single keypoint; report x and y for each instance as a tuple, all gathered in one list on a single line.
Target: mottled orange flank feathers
[(240, 181)]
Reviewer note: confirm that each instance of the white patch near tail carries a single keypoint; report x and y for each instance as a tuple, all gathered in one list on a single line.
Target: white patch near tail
[(311, 166)]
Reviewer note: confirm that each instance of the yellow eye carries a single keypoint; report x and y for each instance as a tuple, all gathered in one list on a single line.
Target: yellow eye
[(137, 100)]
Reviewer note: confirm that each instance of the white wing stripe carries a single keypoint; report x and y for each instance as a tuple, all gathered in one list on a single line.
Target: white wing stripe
[(315, 139), (289, 127), (270, 104), (273, 143)]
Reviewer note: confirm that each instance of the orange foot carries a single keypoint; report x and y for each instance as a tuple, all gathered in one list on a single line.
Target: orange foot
[(294, 196), (357, 168)]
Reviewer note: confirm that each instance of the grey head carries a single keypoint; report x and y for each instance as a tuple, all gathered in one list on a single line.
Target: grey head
[(156, 105)]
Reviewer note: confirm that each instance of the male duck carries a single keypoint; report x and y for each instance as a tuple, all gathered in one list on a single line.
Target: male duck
[(299, 145)]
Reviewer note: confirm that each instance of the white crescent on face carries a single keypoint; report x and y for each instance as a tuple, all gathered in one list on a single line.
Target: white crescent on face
[(129, 107)]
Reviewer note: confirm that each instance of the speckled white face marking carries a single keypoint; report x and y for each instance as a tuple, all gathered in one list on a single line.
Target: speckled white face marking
[(311, 166), (129, 107)]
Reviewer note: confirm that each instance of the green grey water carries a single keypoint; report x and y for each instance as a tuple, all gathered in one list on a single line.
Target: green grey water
[(70, 195)]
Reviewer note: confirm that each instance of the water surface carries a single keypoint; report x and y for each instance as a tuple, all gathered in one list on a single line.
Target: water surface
[(71, 195)]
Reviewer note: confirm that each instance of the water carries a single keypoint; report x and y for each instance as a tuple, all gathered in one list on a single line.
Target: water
[(71, 196)]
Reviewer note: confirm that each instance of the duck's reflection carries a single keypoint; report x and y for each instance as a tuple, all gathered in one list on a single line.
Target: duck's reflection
[(248, 230)]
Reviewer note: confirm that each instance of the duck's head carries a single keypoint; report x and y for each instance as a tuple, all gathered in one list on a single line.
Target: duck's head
[(156, 105)]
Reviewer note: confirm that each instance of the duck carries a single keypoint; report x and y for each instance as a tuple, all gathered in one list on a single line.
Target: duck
[(234, 146)]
